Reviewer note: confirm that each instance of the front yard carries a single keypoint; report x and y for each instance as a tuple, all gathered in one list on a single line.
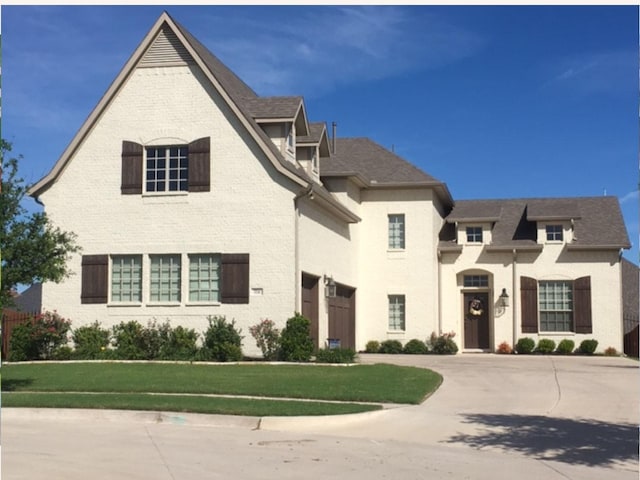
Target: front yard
[(238, 389)]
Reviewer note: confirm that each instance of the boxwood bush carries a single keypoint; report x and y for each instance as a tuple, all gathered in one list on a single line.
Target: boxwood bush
[(391, 346), (296, 345), (525, 345), (588, 347), (545, 346), (415, 347), (373, 346), (565, 347)]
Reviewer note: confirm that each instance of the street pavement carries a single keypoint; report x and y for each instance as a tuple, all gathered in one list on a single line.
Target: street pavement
[(494, 417)]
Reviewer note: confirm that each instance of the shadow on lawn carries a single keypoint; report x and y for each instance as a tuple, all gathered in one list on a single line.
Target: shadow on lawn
[(11, 385), (577, 442)]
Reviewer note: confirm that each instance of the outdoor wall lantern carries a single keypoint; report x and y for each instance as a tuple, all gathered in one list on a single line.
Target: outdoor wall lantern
[(504, 298), (329, 287)]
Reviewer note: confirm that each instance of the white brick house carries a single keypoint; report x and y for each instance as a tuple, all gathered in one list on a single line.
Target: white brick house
[(192, 196)]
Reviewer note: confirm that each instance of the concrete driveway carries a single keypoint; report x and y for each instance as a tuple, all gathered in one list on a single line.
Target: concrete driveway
[(493, 417)]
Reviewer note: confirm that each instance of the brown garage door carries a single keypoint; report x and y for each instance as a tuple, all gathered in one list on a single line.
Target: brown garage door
[(310, 304), (342, 316)]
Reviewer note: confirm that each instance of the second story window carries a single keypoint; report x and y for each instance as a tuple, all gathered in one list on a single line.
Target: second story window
[(474, 234), (554, 233), (167, 169), (396, 232)]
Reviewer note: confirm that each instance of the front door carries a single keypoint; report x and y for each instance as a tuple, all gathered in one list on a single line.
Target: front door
[(476, 320)]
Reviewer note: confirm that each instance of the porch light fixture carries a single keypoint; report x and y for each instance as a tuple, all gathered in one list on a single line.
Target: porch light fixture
[(329, 287), (504, 298)]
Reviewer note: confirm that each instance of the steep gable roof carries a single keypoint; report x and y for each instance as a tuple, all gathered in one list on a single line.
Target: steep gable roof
[(375, 166), (233, 90), (597, 221)]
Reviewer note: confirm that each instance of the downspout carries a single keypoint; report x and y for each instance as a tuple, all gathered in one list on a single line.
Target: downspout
[(439, 292), (514, 295), (297, 273)]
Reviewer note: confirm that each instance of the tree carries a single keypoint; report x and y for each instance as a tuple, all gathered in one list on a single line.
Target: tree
[(32, 249)]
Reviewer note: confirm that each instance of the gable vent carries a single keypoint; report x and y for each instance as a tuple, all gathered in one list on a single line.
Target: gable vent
[(166, 50)]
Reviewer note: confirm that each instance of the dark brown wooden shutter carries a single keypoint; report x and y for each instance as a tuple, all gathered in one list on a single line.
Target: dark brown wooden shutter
[(582, 305), (200, 165), (235, 278), (132, 158), (529, 299), (95, 276)]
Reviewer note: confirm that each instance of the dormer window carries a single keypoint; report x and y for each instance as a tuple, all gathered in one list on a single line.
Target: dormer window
[(474, 234), (291, 139), (554, 233), (315, 165)]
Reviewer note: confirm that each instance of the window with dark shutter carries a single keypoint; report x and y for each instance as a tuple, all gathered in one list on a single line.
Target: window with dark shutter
[(582, 305), (95, 277), (199, 165), (132, 154), (235, 278), (529, 302)]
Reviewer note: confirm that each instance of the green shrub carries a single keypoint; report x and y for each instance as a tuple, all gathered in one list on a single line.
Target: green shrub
[(372, 346), (295, 343), (415, 347), (128, 341), (335, 355), (443, 344), (21, 347), (39, 338), (180, 344), (63, 353), (545, 346), (391, 347), (222, 341), (267, 338), (90, 341), (565, 347), (588, 347), (525, 345)]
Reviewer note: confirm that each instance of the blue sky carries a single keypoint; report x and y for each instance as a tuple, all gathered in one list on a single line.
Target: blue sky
[(496, 101)]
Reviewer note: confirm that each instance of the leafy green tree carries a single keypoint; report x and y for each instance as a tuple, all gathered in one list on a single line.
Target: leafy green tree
[(32, 249)]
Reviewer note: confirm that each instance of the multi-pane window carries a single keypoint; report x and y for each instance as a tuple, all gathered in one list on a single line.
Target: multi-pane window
[(126, 278), (204, 278), (474, 234), (165, 278), (167, 169), (396, 312), (554, 233), (556, 306), (476, 280), (396, 231)]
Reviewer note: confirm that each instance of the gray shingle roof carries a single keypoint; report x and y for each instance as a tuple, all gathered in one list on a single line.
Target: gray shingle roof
[(598, 221), (373, 163), (630, 285), (315, 133), (273, 107)]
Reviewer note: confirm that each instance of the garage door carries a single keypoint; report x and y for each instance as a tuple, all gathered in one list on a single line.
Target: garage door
[(342, 316), (310, 304)]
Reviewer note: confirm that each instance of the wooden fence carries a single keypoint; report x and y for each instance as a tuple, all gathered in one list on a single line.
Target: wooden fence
[(10, 319)]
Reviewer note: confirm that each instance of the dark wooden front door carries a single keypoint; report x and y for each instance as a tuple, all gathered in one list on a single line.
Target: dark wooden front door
[(476, 320), (310, 304), (342, 317)]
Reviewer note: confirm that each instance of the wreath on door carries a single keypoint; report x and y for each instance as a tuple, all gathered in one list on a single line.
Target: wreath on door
[(475, 306)]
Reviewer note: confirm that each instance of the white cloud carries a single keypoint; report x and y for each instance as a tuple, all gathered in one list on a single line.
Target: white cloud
[(329, 46), (630, 197)]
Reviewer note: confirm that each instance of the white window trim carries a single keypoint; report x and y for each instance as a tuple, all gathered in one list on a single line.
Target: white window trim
[(404, 232), (164, 193)]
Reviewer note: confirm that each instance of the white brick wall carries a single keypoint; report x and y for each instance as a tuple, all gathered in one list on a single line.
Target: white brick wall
[(248, 210)]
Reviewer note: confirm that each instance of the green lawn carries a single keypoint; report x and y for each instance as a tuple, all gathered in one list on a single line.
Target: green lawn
[(40, 385)]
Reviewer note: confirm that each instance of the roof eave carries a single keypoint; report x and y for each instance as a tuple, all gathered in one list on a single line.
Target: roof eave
[(616, 247)]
